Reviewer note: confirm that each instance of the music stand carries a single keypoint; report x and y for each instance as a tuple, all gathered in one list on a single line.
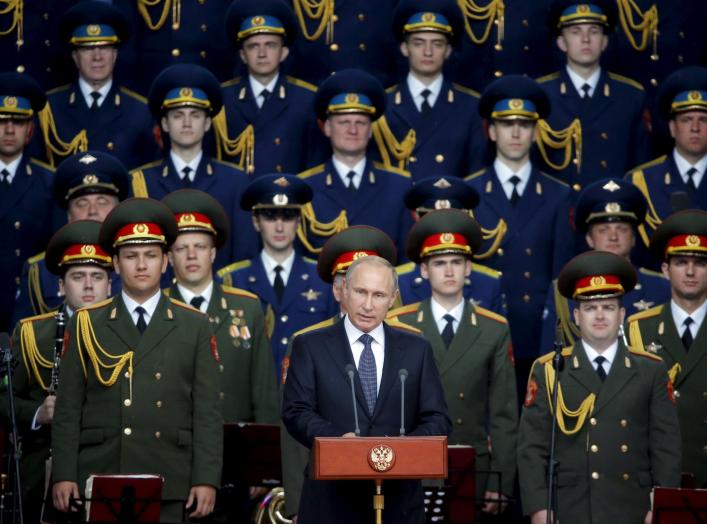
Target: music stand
[(679, 506), (251, 455), (461, 486)]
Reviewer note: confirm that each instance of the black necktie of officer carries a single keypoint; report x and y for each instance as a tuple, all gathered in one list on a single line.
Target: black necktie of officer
[(515, 196), (279, 283), (448, 331), (187, 171), (5, 178), (265, 94), (691, 186), (197, 301), (96, 97), (687, 334), (600, 367), (585, 91), (425, 106), (351, 187), (141, 325)]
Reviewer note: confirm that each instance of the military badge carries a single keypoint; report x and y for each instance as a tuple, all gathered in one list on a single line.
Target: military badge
[(284, 368), (671, 391), (531, 393), (214, 349), (311, 295)]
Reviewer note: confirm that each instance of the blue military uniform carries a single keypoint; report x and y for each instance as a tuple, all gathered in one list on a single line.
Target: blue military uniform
[(80, 174)]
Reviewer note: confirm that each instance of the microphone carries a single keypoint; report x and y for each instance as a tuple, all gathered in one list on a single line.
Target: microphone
[(351, 371), (558, 362), (403, 374)]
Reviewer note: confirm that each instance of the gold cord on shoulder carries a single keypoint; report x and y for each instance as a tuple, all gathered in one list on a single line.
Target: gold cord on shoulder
[(31, 356), (494, 13), (176, 5), (309, 223), (39, 306), (581, 413), (322, 10), (242, 147), (388, 144), (53, 143), (497, 234), (646, 25), (16, 7), (652, 218), (561, 139)]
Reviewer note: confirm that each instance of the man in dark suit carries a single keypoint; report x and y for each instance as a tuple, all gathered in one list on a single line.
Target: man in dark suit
[(317, 392)]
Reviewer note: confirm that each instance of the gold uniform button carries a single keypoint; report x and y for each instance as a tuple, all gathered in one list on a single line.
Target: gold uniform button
[(158, 375), (680, 58), (158, 403), (526, 298), (202, 54), (459, 421), (624, 448), (283, 341), (221, 395), (526, 274), (654, 82), (577, 187), (334, 47), (594, 448), (20, 69), (603, 164), (593, 421), (526, 48), (500, 251), (529, 251), (595, 475), (45, 16), (524, 22), (623, 423), (413, 159), (127, 402), (278, 168), (220, 368), (202, 2), (17, 280), (157, 434), (439, 158), (128, 431), (625, 476), (362, 46), (126, 374), (334, 18), (676, 394), (681, 34), (17, 225), (461, 396), (17, 252), (277, 140), (361, 17), (498, 74), (604, 136), (176, 52), (110, 146), (283, 318)]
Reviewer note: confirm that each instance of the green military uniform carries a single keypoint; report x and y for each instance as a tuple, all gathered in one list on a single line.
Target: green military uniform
[(617, 438), (655, 330)]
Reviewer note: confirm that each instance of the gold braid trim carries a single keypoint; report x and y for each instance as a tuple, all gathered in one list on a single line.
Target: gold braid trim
[(39, 306), (561, 139), (585, 408), (673, 372), (652, 218), (388, 145), (47, 125), (322, 10), (87, 341), (494, 12), (243, 146), (139, 184), (310, 223), (647, 25), (16, 7), (570, 332), (176, 6), (496, 234), (269, 321), (31, 356)]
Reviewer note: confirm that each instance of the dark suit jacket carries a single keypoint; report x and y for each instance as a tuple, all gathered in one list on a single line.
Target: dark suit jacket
[(317, 403)]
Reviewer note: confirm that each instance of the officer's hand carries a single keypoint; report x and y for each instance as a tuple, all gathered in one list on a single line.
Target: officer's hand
[(62, 492), (350, 434), (45, 413), (494, 507), (649, 518), (204, 498), (257, 492), (539, 517)]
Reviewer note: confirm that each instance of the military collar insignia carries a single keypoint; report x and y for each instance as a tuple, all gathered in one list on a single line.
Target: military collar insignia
[(653, 348)]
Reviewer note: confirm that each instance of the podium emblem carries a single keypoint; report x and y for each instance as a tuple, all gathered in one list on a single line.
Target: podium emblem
[(381, 458)]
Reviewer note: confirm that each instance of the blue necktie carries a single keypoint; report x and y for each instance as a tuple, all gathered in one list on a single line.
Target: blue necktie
[(600, 367), (367, 372)]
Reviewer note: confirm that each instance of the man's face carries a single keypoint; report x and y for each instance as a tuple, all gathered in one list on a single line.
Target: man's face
[(446, 274), (599, 320), (84, 285), (186, 126), (93, 206), (277, 229), (14, 136), (263, 54), (615, 237), (140, 268), (192, 256), (690, 133), (426, 53), (513, 138), (583, 44), (688, 277), (349, 133), (95, 63), (368, 295)]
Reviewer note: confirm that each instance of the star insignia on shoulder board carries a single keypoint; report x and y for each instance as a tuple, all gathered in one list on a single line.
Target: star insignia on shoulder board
[(611, 186), (643, 305), (474, 303), (311, 295), (87, 159), (653, 347)]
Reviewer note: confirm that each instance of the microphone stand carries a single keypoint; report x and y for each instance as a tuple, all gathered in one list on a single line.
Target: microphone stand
[(7, 363), (557, 364)]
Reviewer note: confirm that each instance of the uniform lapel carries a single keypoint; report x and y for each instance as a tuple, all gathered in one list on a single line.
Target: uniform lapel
[(579, 369), (668, 336), (161, 323), (276, 104), (438, 115), (494, 197), (21, 183), (336, 190), (260, 285), (340, 352), (364, 196), (295, 283), (245, 101), (168, 177), (598, 104), (204, 178), (121, 323), (464, 339), (109, 111), (406, 110), (693, 357), (622, 370), (426, 322)]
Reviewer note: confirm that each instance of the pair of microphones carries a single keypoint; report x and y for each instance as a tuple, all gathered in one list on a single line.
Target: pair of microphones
[(402, 375)]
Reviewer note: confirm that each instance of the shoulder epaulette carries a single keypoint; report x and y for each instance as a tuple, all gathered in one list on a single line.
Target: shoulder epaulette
[(648, 313), (406, 268), (490, 314), (310, 260), (139, 184), (311, 171), (231, 82), (651, 273), (465, 90), (149, 165), (650, 163), (553, 179), (392, 169), (36, 258), (642, 353), (488, 271), (133, 94), (475, 174), (391, 89), (404, 310), (225, 163), (229, 290), (58, 89), (233, 267), (547, 78), (39, 163), (399, 324), (43, 316), (324, 323), (97, 305), (300, 83), (626, 80), (184, 305), (547, 357)]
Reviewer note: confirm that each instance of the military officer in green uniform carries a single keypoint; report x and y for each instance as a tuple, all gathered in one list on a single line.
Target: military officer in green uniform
[(248, 388), (139, 379), (83, 269), (617, 428), (676, 332), (472, 348)]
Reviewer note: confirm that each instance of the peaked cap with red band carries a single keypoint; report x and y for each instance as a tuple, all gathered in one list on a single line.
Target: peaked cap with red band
[(138, 221), (444, 232), (198, 212), (76, 244), (596, 275)]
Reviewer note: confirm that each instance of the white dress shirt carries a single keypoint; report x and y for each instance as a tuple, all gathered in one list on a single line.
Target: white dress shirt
[(684, 166), (87, 89), (438, 313), (416, 88), (149, 306), (377, 346), (343, 170), (187, 295), (504, 174), (257, 88), (578, 81), (679, 316), (11, 168), (269, 263), (609, 354), (180, 164)]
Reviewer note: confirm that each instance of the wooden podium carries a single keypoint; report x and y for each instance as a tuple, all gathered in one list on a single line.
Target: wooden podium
[(378, 459)]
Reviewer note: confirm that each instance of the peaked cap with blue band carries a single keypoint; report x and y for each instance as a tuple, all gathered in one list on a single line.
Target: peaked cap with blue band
[(684, 90), (439, 16), (514, 97), (246, 18), (21, 96), (564, 13), (93, 23), (350, 91), (185, 85)]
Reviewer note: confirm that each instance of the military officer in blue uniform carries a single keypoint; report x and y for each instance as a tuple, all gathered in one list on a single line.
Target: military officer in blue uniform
[(345, 34), (607, 213), (610, 108), (112, 118), (292, 294), (350, 188), (483, 285), (278, 106), (443, 116), (536, 238), (86, 186), (25, 194), (676, 180), (184, 99)]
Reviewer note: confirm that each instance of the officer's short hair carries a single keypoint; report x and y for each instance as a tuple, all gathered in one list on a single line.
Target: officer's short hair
[(374, 261)]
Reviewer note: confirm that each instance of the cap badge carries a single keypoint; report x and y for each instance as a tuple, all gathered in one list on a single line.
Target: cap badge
[(443, 204), (692, 241), (88, 250), (694, 95), (446, 238), (93, 30), (515, 103), (611, 186), (90, 180), (428, 17), (282, 182), (352, 98), (257, 20), (359, 254), (597, 281), (582, 8), (87, 159), (280, 200), (186, 92), (442, 183), (9, 101), (612, 207), (140, 229), (187, 218)]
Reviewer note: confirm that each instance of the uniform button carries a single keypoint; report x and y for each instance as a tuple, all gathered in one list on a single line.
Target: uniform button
[(334, 47), (498, 74), (17, 225), (529, 251), (459, 421), (158, 403), (526, 274), (680, 59), (604, 136), (45, 16), (676, 394), (595, 475), (203, 28), (500, 251), (603, 164), (126, 374), (127, 402), (654, 82), (361, 17), (158, 375), (439, 158), (283, 318), (202, 2), (48, 43), (20, 69), (362, 46), (461, 396), (623, 423), (526, 48), (524, 22), (277, 140), (577, 187), (413, 159), (17, 252), (17, 280), (202, 54), (593, 421), (278, 168), (312, 309), (176, 52), (681, 34), (221, 395), (157, 434), (283, 341), (334, 18), (624, 448), (110, 146), (220, 368), (594, 448), (526, 298), (128, 431), (625, 476)]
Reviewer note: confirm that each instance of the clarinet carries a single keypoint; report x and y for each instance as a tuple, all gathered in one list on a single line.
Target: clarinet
[(58, 349)]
